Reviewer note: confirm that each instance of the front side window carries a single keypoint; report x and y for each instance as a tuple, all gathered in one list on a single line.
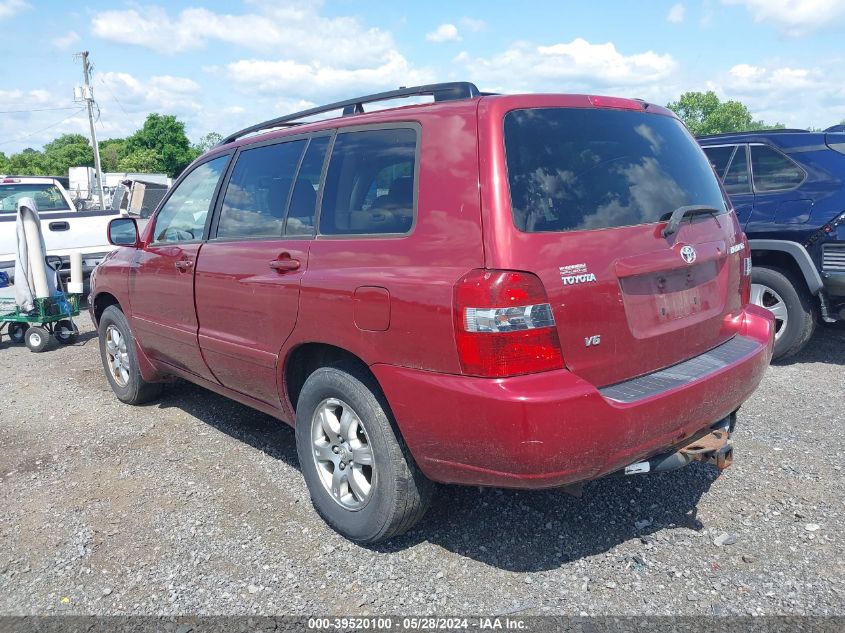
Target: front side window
[(773, 171), (257, 193), (737, 180), (182, 218), (47, 197), (370, 183), (572, 169)]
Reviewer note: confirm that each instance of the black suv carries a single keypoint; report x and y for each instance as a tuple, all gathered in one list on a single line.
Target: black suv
[(788, 188)]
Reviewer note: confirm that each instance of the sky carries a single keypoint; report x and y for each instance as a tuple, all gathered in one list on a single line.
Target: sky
[(220, 66)]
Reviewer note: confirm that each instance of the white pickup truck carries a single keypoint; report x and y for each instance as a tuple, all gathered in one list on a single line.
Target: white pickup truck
[(65, 229)]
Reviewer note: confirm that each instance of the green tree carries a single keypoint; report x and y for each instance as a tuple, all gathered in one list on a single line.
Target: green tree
[(4, 163), (142, 160), (165, 135), (68, 150), (705, 113), (207, 142), (112, 150), (29, 162)]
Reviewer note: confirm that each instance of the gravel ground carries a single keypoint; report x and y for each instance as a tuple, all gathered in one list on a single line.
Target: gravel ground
[(195, 505)]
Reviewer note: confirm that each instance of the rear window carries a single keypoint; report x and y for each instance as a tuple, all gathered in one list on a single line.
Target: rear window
[(47, 197), (575, 169)]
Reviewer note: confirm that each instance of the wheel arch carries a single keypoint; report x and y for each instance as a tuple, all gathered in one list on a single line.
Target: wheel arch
[(304, 359), (790, 255), (102, 301)]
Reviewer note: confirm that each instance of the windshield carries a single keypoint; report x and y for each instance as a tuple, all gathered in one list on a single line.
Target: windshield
[(573, 169), (47, 197)]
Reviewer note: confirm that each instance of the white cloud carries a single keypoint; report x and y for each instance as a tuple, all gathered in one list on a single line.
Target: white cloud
[(473, 24), (10, 8), (576, 66), (444, 33), (769, 92), (794, 17), (162, 93), (676, 14), (66, 41), (310, 80), (297, 29)]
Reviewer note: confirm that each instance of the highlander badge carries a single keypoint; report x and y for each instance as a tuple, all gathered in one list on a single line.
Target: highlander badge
[(688, 254)]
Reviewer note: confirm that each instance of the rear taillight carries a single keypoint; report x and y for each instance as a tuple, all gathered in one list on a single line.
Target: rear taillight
[(504, 325)]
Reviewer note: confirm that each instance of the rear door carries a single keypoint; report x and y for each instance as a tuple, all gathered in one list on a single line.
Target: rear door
[(248, 276), (735, 176), (161, 281), (588, 188), (778, 198)]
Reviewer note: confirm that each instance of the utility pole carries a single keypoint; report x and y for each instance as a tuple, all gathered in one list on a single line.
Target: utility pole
[(88, 96)]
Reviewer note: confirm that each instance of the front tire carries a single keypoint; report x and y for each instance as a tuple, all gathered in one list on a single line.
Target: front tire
[(789, 300), (120, 362), (361, 476), (37, 338)]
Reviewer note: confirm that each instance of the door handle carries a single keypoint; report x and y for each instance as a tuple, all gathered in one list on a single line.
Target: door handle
[(284, 265), (59, 226), (184, 265)]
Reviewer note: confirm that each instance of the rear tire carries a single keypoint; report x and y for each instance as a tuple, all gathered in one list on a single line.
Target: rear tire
[(120, 362), (65, 332), (790, 301), (37, 338), (364, 503)]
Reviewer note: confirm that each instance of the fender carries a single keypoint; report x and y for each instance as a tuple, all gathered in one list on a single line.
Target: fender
[(798, 253)]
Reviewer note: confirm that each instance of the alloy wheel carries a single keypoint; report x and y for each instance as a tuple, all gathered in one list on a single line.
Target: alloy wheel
[(117, 356), (765, 297), (342, 453)]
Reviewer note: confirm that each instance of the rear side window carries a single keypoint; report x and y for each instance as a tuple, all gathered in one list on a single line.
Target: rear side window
[(573, 169), (47, 197), (257, 193), (303, 200), (719, 157), (737, 180), (773, 170), (370, 183)]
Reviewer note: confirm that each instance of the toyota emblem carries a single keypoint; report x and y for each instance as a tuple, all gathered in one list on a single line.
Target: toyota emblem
[(688, 254)]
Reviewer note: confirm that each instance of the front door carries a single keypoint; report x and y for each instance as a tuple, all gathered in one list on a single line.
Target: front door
[(248, 275), (161, 285)]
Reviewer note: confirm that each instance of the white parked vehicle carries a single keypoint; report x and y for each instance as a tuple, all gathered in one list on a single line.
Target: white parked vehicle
[(66, 230)]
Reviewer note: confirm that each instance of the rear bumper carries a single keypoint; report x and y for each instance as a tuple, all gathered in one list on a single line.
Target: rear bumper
[(552, 429)]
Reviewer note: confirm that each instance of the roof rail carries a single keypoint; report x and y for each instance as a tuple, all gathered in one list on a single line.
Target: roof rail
[(452, 91), (773, 130)]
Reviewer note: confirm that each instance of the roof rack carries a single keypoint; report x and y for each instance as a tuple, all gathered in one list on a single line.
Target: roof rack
[(451, 91), (751, 132)]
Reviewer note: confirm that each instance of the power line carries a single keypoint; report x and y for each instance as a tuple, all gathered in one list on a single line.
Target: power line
[(26, 136), (37, 110), (113, 96)]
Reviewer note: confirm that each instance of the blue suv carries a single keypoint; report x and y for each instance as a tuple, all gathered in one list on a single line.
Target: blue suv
[(788, 189)]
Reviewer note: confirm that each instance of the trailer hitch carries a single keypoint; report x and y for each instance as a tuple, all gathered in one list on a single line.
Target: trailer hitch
[(712, 448)]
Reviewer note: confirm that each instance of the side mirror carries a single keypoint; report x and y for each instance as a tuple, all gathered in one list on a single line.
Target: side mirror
[(124, 232)]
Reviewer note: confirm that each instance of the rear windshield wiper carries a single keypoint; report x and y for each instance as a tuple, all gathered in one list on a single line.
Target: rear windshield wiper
[(678, 214)]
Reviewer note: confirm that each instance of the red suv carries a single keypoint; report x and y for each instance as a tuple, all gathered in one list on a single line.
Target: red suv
[(526, 291)]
